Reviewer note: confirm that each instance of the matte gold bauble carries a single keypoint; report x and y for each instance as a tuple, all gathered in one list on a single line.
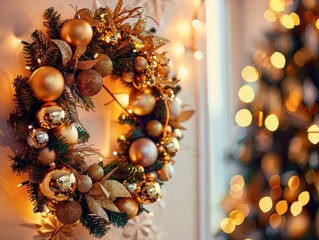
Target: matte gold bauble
[(128, 76), (140, 64), (171, 145), (166, 173), (85, 183), (164, 70), (89, 83), (148, 192), (96, 172), (76, 30), (69, 79), (154, 128), (175, 108), (58, 184), (128, 205), (46, 156), (142, 102), (47, 84), (51, 116), (38, 138), (104, 66), (68, 132), (143, 152), (68, 212)]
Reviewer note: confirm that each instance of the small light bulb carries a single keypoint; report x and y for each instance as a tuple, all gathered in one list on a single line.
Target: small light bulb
[(39, 60), (115, 153), (180, 50), (196, 23), (19, 185), (183, 72), (27, 67), (101, 159), (151, 214), (130, 111), (198, 55), (96, 55)]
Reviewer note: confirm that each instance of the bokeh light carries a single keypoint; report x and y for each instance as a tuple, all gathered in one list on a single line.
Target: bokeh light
[(313, 134), (237, 216), (278, 60), (250, 74), (277, 5), (294, 183), (196, 23), (246, 94), (295, 18), (282, 207), (304, 198), (287, 21), (296, 208), (183, 72), (272, 122), (270, 15), (243, 118), (179, 50), (275, 220), (198, 55), (227, 225), (265, 204)]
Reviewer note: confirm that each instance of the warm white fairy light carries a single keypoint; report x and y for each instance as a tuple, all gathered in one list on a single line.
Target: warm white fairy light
[(27, 67), (180, 50), (115, 153), (196, 23), (96, 55), (39, 60), (130, 111), (19, 185), (151, 214), (183, 72), (198, 55)]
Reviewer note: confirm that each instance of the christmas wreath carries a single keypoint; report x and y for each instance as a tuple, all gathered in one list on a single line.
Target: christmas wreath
[(69, 63)]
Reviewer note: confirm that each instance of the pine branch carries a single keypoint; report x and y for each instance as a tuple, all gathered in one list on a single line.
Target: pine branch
[(117, 219), (82, 135), (96, 225), (58, 145), (35, 196), (85, 102), (52, 22), (67, 101)]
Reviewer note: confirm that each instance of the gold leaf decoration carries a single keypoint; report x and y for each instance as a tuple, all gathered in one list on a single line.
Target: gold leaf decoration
[(116, 189), (65, 50), (85, 65), (95, 207), (80, 50)]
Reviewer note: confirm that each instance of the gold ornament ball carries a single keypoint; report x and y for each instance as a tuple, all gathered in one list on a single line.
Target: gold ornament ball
[(140, 64), (143, 152), (38, 138), (171, 145), (142, 102), (166, 173), (85, 183), (104, 66), (68, 212), (47, 84), (46, 156), (164, 70), (68, 132), (76, 30), (148, 192), (128, 76), (69, 79), (128, 205), (51, 116), (154, 128), (89, 83), (131, 187), (175, 108), (177, 133), (58, 184), (96, 172)]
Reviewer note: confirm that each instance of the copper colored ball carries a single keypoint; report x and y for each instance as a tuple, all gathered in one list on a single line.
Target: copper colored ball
[(164, 70), (89, 83), (50, 116), (104, 66), (76, 30), (128, 205), (96, 172), (142, 102), (128, 76), (143, 152), (69, 79), (166, 173), (68, 132), (154, 128), (47, 84), (68, 212), (85, 183), (140, 64), (46, 156)]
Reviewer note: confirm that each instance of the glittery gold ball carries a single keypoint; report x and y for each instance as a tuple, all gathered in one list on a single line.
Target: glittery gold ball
[(142, 102), (148, 192), (104, 66), (68, 132), (89, 83), (46, 156), (68, 212), (140, 64), (96, 172), (76, 30), (128, 205), (154, 128), (51, 116), (47, 84), (128, 76), (85, 183)]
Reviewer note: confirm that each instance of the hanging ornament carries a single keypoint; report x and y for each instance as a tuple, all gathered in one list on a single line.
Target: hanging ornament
[(166, 173), (69, 79), (171, 145), (89, 83), (46, 156), (154, 128), (142, 102), (175, 108), (38, 138), (76, 30), (85, 183), (96, 172), (68, 212), (130, 186), (148, 191), (143, 152), (163, 70), (128, 205), (58, 184), (50, 116), (69, 133), (47, 84), (177, 133), (128, 76), (104, 66), (140, 64)]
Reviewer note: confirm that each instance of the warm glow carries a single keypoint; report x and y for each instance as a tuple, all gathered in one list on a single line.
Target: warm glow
[(270, 15), (287, 21), (115, 153), (295, 18), (317, 23), (304, 198), (282, 207), (293, 100), (196, 23), (311, 176), (183, 72), (250, 74), (274, 181), (294, 183), (179, 50), (272, 122), (198, 55), (278, 60), (275, 220), (277, 5), (296, 208), (313, 134), (237, 216), (246, 94), (265, 204), (227, 225), (244, 208), (237, 183), (243, 118), (236, 194)]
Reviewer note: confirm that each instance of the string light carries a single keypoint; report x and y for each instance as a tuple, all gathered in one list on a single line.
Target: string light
[(196, 23), (27, 67), (243, 118), (179, 49), (246, 94), (265, 204), (278, 60), (39, 60), (250, 74), (198, 55), (272, 122), (115, 153), (183, 72)]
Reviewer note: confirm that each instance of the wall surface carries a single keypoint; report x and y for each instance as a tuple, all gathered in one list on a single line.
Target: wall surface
[(177, 216)]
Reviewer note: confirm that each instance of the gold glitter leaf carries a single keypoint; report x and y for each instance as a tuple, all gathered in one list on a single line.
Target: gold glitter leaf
[(95, 207), (108, 204), (80, 50), (139, 25), (85, 65), (65, 50), (116, 189)]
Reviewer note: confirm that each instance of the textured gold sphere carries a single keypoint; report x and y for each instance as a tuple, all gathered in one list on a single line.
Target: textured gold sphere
[(47, 84), (89, 83), (154, 128), (46, 156), (69, 79), (104, 66), (50, 116), (128, 205), (85, 183), (96, 172), (142, 102), (76, 30), (68, 212), (140, 64), (166, 173), (148, 192), (143, 152), (68, 132), (171, 145), (58, 184), (128, 76), (38, 138)]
